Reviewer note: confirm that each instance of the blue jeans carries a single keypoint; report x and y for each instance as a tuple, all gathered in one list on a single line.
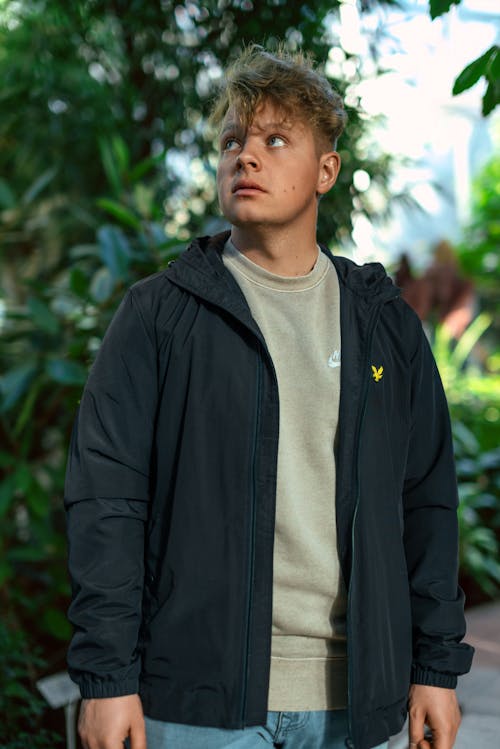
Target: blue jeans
[(316, 729)]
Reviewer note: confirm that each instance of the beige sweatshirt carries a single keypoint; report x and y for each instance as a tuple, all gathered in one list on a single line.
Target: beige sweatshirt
[(299, 317)]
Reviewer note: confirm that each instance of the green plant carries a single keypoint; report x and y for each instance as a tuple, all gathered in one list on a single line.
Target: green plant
[(486, 66), (146, 72), (479, 251), (21, 707), (53, 320), (478, 476), (474, 397)]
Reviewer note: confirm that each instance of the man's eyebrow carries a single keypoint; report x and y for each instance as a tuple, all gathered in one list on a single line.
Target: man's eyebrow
[(228, 127), (282, 124), (279, 125)]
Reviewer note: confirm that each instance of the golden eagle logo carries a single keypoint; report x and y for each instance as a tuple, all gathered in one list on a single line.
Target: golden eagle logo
[(377, 373)]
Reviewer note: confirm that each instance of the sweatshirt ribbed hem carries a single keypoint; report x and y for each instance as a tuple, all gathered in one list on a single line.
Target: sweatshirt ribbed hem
[(300, 684)]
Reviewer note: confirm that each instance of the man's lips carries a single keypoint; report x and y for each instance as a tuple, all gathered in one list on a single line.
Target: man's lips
[(246, 187)]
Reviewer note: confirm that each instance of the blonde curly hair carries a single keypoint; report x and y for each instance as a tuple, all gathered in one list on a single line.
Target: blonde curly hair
[(289, 80)]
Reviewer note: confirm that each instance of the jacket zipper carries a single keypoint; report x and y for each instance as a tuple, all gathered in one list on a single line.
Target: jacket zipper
[(366, 358), (252, 535)]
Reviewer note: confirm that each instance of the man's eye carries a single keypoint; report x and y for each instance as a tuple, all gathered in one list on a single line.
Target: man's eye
[(276, 140), (230, 144)]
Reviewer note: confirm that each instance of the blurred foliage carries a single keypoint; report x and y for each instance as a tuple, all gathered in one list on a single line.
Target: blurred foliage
[(51, 330), (21, 707), (473, 393), (471, 373), (485, 66), (85, 72), (479, 252), (53, 321)]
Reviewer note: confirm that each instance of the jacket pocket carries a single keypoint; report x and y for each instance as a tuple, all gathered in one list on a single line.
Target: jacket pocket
[(157, 591)]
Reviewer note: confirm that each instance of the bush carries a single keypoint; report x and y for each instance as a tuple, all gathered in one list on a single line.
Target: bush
[(473, 394), (21, 707)]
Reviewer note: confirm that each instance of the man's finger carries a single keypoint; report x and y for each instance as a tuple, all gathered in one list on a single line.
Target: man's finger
[(443, 739), (422, 744), (138, 736), (416, 729)]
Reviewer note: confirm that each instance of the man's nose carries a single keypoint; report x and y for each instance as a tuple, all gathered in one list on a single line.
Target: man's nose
[(247, 157)]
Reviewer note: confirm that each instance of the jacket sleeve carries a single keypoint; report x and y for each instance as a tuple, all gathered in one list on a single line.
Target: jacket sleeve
[(430, 501), (106, 501)]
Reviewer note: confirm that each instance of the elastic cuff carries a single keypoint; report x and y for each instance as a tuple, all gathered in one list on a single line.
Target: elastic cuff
[(431, 678), (95, 690)]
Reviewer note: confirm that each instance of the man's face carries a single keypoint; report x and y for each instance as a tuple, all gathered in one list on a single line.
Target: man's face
[(271, 173)]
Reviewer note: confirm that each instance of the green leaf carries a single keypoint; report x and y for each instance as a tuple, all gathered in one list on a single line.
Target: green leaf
[(66, 372), (438, 7), (78, 282), (7, 489), (42, 315), (27, 553), (144, 199), (308, 13), (83, 250), (7, 459), (23, 478), (38, 500), (493, 568), (490, 460), (121, 153), (467, 491), (38, 186), (6, 572), (14, 384), (17, 690), (484, 500), (28, 405), (469, 338), (119, 212), (466, 437), (144, 166), (493, 72), (491, 97), (7, 197), (466, 466), (115, 251), (472, 72), (56, 624), (110, 166), (102, 285)]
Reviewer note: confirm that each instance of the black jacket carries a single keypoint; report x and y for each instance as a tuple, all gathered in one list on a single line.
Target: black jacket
[(170, 498)]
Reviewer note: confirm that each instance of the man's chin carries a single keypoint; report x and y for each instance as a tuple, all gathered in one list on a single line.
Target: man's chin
[(247, 221)]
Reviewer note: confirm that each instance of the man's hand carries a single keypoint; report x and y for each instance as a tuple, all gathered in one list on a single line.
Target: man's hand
[(105, 723), (438, 708)]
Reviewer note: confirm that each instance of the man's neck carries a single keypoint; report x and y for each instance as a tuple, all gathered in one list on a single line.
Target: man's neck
[(278, 253)]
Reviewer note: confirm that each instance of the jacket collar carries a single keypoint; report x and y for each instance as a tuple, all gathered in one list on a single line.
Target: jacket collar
[(200, 269)]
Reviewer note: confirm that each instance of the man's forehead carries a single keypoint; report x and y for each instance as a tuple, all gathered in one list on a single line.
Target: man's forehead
[(264, 118)]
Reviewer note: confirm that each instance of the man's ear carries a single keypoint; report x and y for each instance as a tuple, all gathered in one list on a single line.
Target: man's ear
[(329, 168)]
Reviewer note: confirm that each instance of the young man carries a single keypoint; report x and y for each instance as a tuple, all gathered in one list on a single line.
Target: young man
[(260, 491)]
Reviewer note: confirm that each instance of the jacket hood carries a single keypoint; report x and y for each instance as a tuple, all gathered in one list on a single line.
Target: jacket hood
[(200, 265), (369, 280)]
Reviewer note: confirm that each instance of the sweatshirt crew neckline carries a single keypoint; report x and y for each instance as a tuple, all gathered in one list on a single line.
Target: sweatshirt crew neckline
[(262, 277)]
